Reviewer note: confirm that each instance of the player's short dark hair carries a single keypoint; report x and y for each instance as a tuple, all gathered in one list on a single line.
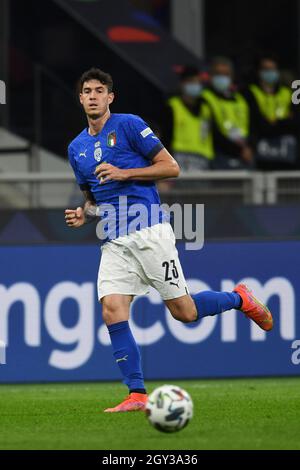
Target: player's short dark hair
[(96, 74)]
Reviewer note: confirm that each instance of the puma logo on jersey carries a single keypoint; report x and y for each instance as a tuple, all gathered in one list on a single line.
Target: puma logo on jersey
[(83, 154), (175, 284), (122, 358)]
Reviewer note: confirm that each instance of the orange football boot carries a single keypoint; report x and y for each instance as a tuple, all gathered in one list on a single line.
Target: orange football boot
[(134, 402), (253, 308)]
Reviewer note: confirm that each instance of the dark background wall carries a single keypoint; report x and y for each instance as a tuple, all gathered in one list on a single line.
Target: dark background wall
[(241, 29), (40, 32)]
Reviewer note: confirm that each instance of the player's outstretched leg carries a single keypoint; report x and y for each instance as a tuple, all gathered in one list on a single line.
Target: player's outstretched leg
[(253, 308), (210, 303)]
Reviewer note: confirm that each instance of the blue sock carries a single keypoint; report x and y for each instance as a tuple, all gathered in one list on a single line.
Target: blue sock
[(127, 355), (210, 303)]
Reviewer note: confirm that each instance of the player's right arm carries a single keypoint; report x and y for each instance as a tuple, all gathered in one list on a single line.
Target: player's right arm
[(82, 215)]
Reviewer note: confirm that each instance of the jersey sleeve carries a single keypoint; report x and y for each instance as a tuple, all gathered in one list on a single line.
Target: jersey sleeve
[(142, 138), (79, 178)]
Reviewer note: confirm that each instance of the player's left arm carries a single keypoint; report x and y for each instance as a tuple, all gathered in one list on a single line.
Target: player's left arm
[(163, 166)]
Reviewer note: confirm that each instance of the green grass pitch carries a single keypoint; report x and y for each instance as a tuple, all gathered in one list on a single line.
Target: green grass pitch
[(229, 414)]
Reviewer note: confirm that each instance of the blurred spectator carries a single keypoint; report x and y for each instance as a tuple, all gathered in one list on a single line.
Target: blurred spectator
[(230, 118), (186, 124), (273, 118)]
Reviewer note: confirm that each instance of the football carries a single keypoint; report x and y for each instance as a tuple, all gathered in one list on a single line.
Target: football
[(169, 408)]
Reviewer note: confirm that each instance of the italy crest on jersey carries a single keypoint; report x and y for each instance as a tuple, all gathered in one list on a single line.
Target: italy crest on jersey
[(98, 154), (112, 139)]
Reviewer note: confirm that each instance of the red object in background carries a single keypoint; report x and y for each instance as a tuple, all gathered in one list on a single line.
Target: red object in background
[(130, 34), (177, 68), (203, 75)]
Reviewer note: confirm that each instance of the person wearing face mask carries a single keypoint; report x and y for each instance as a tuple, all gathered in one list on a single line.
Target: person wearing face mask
[(273, 118), (230, 114), (186, 124)]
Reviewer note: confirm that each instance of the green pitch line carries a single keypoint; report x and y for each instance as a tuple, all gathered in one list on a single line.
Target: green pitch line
[(229, 414)]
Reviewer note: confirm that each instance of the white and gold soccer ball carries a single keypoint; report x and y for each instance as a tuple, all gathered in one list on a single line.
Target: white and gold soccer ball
[(169, 408)]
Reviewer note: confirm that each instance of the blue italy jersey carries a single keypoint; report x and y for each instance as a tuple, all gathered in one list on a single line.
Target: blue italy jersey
[(125, 141)]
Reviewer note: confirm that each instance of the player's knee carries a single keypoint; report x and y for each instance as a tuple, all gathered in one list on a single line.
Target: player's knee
[(189, 316), (185, 315), (115, 309), (108, 316), (109, 311)]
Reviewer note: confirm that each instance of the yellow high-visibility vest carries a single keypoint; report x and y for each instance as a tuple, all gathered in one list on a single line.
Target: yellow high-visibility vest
[(273, 106), (192, 134), (232, 116)]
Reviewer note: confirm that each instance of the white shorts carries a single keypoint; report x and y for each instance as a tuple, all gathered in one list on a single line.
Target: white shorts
[(130, 264)]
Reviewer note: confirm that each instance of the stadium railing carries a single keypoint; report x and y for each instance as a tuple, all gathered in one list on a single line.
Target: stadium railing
[(282, 187), (245, 185), (33, 185), (210, 186)]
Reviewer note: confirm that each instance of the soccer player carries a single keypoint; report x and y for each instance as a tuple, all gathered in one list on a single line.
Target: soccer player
[(119, 156)]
